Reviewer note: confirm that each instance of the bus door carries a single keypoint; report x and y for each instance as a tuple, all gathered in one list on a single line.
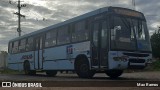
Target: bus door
[(39, 53), (99, 45)]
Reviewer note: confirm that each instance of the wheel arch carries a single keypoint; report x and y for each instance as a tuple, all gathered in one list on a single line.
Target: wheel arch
[(26, 61), (27, 68)]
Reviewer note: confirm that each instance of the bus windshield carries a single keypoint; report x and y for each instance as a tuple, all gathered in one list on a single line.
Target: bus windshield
[(129, 34)]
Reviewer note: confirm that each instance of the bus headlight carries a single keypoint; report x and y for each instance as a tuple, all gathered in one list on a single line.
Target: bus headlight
[(122, 58)]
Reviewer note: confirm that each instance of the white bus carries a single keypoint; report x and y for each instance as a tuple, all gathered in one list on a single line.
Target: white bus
[(108, 40)]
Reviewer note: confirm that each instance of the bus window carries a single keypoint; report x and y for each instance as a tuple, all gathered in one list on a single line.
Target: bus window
[(104, 35), (80, 32), (63, 35), (29, 44), (50, 39), (140, 31), (37, 44), (10, 47), (95, 34), (15, 47), (22, 45)]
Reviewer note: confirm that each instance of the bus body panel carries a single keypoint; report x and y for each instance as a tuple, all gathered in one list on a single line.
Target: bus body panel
[(16, 66), (63, 57), (55, 58), (58, 65), (16, 61)]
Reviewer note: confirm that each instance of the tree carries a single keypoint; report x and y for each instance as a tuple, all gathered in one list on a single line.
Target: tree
[(4, 52), (155, 42)]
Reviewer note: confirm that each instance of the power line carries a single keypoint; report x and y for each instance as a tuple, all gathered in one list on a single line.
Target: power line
[(19, 6)]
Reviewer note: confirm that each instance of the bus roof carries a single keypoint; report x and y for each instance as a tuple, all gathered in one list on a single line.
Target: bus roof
[(95, 12)]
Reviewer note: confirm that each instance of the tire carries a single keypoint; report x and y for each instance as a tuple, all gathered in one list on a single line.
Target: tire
[(82, 68), (114, 73), (51, 73), (27, 69)]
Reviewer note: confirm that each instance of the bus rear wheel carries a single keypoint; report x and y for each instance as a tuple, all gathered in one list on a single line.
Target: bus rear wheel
[(51, 73), (82, 68), (114, 73), (27, 69)]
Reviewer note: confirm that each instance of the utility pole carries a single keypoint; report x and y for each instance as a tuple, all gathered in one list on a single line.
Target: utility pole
[(158, 29), (19, 15), (134, 4)]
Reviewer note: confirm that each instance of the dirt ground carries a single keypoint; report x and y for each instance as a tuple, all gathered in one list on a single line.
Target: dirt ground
[(70, 78)]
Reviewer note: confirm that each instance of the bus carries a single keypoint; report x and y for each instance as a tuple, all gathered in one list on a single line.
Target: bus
[(107, 40)]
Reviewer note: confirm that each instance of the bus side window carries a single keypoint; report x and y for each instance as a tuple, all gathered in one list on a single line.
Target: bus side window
[(95, 34), (22, 45), (15, 47), (29, 44), (63, 35), (80, 32), (10, 47), (104, 35), (50, 39)]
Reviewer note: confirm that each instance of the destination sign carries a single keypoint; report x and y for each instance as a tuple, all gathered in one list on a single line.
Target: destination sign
[(128, 12)]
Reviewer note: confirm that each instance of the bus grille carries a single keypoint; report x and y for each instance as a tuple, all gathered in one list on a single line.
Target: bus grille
[(136, 54), (137, 60)]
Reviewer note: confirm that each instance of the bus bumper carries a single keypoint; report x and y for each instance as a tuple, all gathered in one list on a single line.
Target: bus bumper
[(117, 60)]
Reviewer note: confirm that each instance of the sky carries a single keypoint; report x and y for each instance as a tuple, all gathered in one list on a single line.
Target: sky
[(43, 13)]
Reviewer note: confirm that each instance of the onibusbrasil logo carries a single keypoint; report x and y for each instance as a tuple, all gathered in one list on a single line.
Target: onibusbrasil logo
[(19, 84)]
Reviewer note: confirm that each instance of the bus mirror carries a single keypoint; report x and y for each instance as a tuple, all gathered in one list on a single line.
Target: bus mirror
[(114, 30), (117, 28)]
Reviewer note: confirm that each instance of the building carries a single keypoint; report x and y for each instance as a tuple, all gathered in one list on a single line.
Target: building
[(3, 59)]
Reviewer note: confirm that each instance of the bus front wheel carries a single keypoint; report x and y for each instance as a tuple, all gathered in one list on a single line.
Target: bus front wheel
[(114, 73), (82, 68), (51, 73), (27, 70)]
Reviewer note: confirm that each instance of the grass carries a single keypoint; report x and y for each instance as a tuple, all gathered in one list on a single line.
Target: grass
[(155, 66)]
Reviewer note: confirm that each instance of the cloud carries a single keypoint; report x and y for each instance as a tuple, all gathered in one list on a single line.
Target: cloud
[(41, 9), (155, 24)]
